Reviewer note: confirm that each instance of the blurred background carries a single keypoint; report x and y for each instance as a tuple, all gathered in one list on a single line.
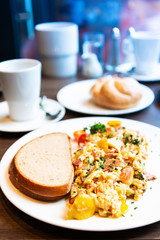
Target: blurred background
[(18, 18)]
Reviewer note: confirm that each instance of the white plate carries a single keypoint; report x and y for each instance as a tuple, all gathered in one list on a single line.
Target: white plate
[(8, 125), (148, 207), (76, 97)]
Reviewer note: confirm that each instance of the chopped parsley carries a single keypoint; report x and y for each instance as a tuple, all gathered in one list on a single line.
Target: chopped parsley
[(92, 163), (130, 139), (139, 175), (98, 127), (102, 158), (111, 165), (87, 173), (136, 141), (102, 165)]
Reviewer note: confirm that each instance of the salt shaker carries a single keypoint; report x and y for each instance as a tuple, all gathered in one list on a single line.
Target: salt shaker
[(114, 55), (127, 47)]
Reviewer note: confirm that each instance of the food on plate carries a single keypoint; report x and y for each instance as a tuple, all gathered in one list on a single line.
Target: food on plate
[(43, 168), (116, 92), (109, 164)]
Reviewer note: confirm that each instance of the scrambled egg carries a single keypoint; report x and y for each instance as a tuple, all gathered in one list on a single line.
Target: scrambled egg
[(109, 165)]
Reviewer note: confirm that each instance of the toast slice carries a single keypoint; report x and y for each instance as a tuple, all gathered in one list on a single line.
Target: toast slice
[(42, 168)]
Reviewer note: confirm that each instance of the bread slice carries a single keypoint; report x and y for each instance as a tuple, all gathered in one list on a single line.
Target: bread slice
[(42, 168)]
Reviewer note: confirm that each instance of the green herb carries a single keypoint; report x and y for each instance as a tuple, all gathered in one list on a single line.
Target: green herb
[(96, 169), (102, 165), (87, 173), (130, 139), (111, 165), (84, 129), (136, 141), (107, 214), (92, 163), (135, 208), (74, 191), (127, 139), (98, 127), (139, 175), (116, 168), (102, 158), (132, 202)]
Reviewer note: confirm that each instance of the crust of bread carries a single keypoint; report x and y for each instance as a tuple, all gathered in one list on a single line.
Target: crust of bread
[(116, 93), (35, 190)]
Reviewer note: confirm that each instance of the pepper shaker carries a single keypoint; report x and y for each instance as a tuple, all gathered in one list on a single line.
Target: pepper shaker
[(114, 55)]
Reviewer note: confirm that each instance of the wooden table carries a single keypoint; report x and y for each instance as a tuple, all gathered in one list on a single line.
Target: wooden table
[(15, 224)]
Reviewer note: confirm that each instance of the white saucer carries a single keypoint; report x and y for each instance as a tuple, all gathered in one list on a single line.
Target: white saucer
[(126, 67), (147, 78), (8, 125)]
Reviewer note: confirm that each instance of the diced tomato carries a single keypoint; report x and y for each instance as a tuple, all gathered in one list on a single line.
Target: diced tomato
[(149, 176), (127, 175), (77, 134), (82, 138)]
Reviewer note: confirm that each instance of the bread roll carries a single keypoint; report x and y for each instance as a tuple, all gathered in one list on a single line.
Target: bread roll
[(42, 168), (116, 92)]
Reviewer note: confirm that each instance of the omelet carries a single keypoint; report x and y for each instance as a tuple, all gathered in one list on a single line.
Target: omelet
[(109, 164)]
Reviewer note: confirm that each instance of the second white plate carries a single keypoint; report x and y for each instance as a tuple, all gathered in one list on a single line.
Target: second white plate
[(76, 97)]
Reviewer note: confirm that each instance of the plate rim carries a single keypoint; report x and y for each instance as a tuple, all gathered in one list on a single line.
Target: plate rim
[(114, 112), (40, 132)]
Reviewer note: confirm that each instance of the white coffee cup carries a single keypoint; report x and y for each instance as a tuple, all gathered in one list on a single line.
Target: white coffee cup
[(21, 82), (146, 46), (58, 46)]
